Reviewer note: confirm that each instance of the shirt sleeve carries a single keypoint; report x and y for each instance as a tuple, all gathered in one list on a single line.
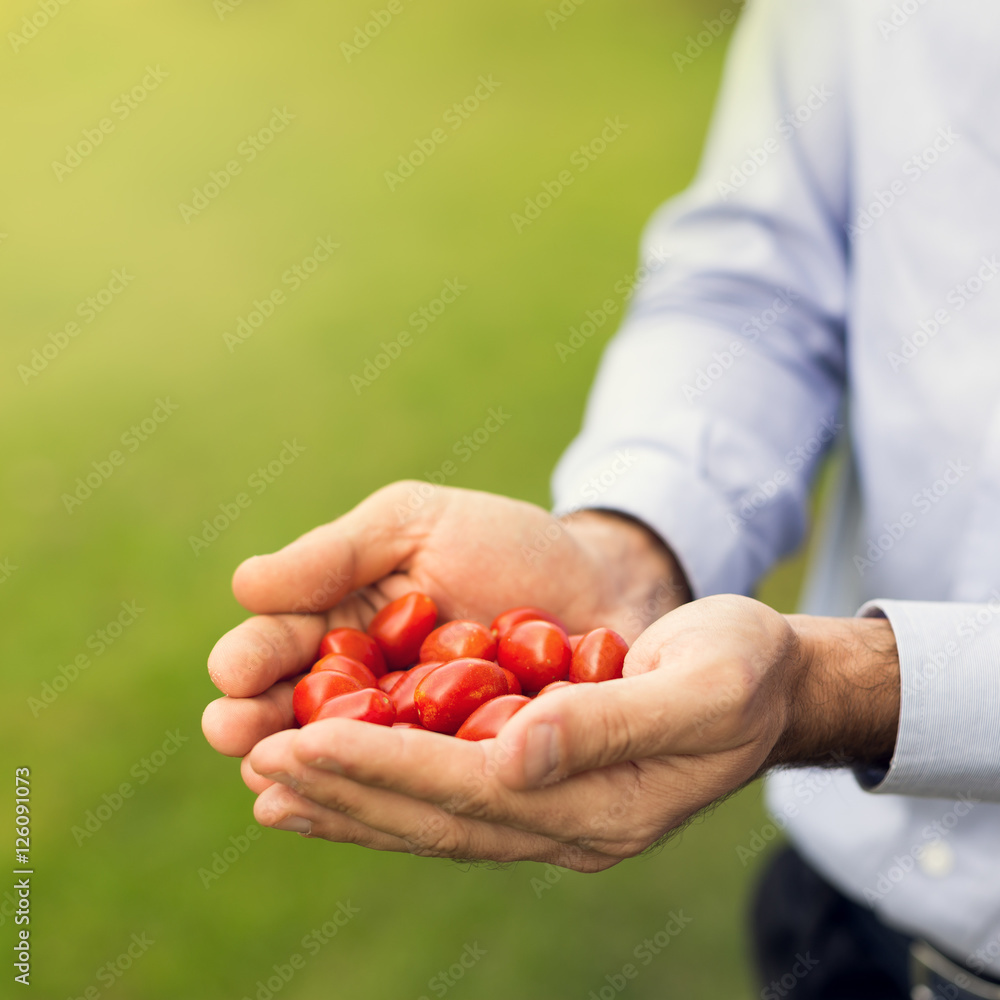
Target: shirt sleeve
[(948, 741), (722, 389)]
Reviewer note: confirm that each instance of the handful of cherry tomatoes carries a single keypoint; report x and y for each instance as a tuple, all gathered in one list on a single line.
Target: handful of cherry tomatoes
[(460, 678)]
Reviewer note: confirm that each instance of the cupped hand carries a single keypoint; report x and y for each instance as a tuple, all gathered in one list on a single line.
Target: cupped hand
[(583, 777), (474, 553)]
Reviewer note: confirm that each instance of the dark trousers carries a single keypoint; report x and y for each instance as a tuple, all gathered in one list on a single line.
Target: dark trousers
[(810, 942)]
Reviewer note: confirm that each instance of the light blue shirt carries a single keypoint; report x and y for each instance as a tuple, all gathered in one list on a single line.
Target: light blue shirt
[(833, 272)]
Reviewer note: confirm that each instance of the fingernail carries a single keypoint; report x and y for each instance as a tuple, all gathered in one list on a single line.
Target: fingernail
[(285, 779), (541, 754), (325, 764), (294, 824)]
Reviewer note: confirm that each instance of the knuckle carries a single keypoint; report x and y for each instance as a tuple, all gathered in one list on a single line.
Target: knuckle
[(438, 836)]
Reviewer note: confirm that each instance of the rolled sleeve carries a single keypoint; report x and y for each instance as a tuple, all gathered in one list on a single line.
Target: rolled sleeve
[(948, 742)]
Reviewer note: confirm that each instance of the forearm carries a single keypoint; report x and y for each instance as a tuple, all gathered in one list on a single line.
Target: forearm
[(844, 694)]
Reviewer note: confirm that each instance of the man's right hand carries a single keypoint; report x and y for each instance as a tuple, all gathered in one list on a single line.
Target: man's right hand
[(475, 554)]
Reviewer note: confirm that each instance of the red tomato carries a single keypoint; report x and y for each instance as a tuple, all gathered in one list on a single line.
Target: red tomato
[(450, 693), (409, 725), (537, 652), (367, 705), (513, 684), (574, 641), (354, 643), (504, 622), (404, 689), (599, 656), (459, 639), (401, 626), (487, 720), (314, 689), (346, 665), (388, 681), (554, 686)]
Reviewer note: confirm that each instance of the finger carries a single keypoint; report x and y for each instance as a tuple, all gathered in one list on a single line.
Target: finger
[(254, 781), (457, 777), (262, 650), (233, 726), (412, 827), (319, 569)]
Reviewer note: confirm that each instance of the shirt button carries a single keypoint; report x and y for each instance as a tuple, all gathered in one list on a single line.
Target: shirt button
[(937, 859)]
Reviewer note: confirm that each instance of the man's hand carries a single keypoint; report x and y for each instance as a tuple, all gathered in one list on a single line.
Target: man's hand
[(713, 694), (475, 554)]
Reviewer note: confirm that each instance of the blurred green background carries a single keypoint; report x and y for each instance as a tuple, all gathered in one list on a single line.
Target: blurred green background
[(180, 87)]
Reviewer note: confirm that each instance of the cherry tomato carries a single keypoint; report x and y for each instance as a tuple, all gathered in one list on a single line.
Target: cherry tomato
[(487, 720), (554, 686), (513, 684), (404, 689), (574, 641), (357, 645), (450, 693), (599, 656), (314, 689), (504, 622), (457, 639), (537, 652), (367, 705), (346, 665), (388, 681), (401, 626)]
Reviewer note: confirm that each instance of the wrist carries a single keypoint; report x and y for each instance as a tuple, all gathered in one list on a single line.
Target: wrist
[(643, 579), (843, 693)]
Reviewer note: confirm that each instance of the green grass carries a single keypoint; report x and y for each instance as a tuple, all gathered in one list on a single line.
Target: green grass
[(162, 338)]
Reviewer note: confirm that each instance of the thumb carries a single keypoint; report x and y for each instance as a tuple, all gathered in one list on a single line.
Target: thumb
[(319, 569), (676, 708)]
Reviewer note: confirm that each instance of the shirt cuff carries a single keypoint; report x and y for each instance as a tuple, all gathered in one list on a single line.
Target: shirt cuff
[(948, 741), (687, 512)]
